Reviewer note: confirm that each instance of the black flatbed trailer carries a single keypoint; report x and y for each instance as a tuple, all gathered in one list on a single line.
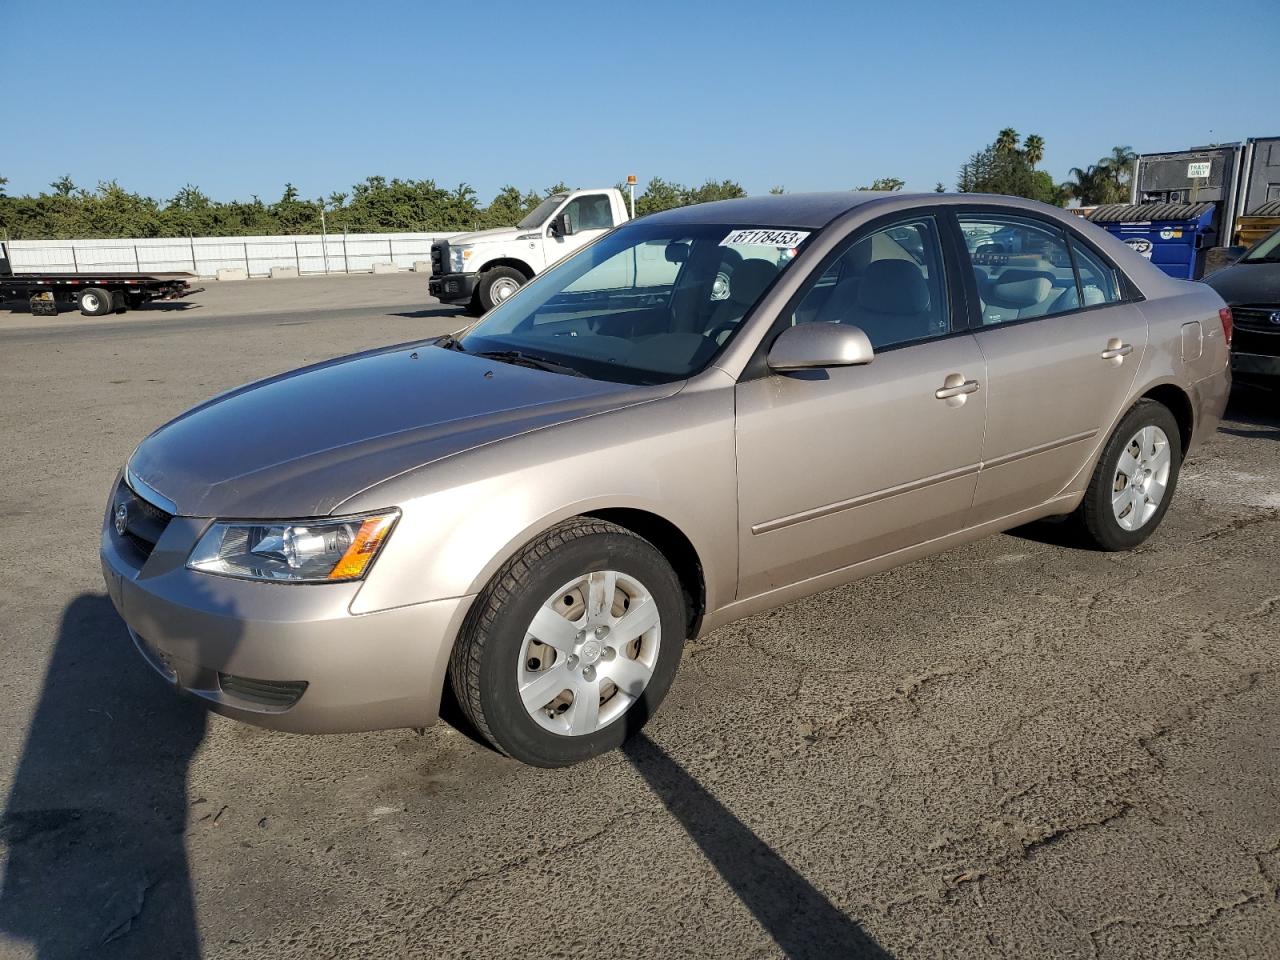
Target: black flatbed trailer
[(94, 294)]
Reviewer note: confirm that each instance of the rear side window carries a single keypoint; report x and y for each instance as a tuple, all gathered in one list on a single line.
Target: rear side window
[(1022, 267), (1097, 280), (888, 282)]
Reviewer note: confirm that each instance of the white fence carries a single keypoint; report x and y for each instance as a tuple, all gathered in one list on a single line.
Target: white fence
[(310, 253)]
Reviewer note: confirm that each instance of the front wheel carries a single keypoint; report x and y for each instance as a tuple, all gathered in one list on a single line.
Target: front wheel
[(1134, 481), (497, 284), (572, 646)]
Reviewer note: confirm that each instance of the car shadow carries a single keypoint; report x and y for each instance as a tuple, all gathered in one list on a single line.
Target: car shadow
[(427, 312), (95, 820), (1257, 407), (803, 922)]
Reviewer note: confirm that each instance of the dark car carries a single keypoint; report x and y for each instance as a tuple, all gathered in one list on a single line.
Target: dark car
[(1251, 287)]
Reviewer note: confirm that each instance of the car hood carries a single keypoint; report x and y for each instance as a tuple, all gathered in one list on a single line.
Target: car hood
[(1247, 283), (299, 444), (488, 236)]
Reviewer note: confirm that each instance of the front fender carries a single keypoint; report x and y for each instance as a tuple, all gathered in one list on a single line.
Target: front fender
[(464, 517)]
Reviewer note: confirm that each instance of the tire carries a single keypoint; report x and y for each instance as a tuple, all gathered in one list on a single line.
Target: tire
[(95, 302), (498, 283), (134, 301), (1102, 519), (498, 664)]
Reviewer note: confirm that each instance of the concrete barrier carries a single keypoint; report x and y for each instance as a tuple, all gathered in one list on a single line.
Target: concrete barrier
[(284, 273), (385, 268), (422, 266), (233, 273)]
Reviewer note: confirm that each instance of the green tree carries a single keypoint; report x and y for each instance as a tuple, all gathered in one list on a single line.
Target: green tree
[(3, 182), (1107, 181), (777, 190), (939, 188), (1033, 147), (1007, 140), (992, 170), (889, 184), (64, 186)]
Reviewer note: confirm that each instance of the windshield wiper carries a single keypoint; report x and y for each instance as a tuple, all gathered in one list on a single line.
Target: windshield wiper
[(521, 359)]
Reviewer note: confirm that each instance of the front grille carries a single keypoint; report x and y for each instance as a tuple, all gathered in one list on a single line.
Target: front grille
[(144, 521), (1257, 318), (440, 258), (1247, 340), (277, 694)]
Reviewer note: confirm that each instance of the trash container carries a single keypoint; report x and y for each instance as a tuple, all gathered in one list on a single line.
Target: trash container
[(1173, 236)]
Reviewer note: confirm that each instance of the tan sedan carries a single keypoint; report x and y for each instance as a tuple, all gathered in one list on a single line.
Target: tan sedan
[(706, 413)]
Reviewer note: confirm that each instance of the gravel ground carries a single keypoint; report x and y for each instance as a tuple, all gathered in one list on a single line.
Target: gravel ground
[(1016, 749)]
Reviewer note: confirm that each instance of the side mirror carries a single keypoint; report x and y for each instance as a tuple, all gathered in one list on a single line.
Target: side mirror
[(560, 226), (812, 346)]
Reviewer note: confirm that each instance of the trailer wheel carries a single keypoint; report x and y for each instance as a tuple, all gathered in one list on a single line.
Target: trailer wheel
[(95, 302), (134, 300)]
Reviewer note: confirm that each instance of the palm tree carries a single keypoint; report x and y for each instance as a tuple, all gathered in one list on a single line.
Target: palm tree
[(1007, 140), (1089, 186), (1034, 149)]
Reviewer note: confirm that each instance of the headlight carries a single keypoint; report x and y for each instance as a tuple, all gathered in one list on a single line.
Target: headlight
[(300, 551), (459, 257)]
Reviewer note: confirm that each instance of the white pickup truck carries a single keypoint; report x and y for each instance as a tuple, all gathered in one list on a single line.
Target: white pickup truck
[(483, 269)]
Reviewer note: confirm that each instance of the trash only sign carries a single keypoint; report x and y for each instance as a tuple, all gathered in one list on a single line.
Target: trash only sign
[(1198, 169)]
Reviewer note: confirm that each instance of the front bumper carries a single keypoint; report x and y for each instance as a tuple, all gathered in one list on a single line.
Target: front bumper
[(1258, 364), (453, 287), (286, 656)]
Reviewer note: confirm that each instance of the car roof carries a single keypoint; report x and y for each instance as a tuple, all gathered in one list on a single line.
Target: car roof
[(812, 210)]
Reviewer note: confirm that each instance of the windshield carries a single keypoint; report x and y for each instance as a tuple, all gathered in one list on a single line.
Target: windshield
[(1266, 250), (648, 303), (538, 215)]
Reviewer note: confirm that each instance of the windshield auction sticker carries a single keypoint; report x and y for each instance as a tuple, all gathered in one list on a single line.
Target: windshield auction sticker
[(765, 238)]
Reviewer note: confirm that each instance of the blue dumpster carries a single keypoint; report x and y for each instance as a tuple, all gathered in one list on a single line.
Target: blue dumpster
[(1173, 236)]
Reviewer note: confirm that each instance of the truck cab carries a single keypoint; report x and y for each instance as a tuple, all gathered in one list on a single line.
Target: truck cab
[(482, 269)]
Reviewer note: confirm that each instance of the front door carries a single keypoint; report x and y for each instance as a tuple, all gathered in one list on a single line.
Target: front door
[(1062, 348), (590, 216), (850, 463)]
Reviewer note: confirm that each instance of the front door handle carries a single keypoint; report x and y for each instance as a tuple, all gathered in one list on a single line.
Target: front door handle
[(1117, 350), (956, 387)]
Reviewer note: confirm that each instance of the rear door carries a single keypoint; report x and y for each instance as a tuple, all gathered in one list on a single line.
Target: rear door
[(1062, 342), (842, 465)]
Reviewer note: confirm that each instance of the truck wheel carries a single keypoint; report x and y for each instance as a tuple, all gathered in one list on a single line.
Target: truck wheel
[(95, 302), (134, 300), (497, 284)]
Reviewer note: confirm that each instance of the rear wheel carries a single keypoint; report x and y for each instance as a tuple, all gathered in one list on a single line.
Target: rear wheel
[(572, 646), (95, 302), (1134, 481), (497, 284)]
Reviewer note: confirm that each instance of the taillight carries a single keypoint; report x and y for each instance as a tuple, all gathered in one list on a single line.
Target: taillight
[(1228, 325)]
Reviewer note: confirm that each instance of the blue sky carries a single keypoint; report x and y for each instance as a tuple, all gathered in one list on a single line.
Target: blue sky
[(239, 98)]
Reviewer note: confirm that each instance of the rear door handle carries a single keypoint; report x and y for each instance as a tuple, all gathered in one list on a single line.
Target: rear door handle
[(1116, 350), (956, 386)]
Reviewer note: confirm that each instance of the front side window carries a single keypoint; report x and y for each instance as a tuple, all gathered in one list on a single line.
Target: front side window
[(590, 212), (649, 303), (889, 283), (1266, 250), (1021, 266)]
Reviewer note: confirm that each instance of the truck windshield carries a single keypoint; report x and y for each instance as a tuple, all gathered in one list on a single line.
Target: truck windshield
[(538, 215), (648, 303)]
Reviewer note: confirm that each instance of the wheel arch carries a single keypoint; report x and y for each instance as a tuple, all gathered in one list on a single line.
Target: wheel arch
[(673, 544), (1177, 402), (514, 262)]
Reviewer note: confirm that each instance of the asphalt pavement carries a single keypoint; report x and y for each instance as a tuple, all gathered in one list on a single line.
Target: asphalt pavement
[(1017, 749)]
